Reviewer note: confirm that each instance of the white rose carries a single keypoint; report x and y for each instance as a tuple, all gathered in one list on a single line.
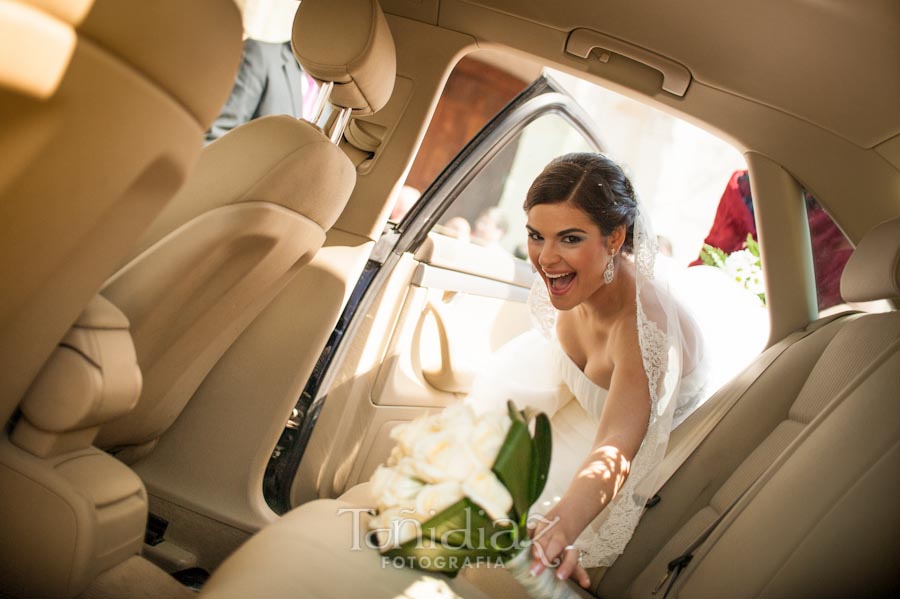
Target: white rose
[(395, 526), (392, 488), (441, 457), (489, 493), (487, 437), (408, 433), (396, 455), (407, 467), (432, 499), (458, 418)]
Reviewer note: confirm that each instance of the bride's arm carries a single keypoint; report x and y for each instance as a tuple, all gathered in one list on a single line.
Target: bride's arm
[(622, 427)]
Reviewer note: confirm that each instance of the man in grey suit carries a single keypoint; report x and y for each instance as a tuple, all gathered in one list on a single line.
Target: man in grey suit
[(269, 81)]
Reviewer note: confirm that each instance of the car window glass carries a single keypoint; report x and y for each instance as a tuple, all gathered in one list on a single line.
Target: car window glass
[(488, 211), (831, 250)]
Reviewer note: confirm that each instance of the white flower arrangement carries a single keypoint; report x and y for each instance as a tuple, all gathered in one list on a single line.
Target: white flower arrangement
[(439, 459), (744, 267), (456, 491)]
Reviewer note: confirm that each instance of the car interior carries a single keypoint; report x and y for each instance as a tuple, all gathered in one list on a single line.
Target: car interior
[(206, 347)]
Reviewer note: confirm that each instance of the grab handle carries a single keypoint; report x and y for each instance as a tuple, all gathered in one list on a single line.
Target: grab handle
[(443, 365), (676, 77)]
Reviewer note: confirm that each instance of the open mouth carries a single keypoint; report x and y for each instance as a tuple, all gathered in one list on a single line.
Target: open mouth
[(560, 284)]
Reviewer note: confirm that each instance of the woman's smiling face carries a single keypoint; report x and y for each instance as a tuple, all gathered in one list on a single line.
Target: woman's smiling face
[(568, 250)]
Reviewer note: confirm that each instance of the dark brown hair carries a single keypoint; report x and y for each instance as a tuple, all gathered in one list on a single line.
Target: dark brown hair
[(593, 183)]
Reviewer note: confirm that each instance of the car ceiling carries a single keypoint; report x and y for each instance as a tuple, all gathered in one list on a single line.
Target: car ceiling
[(834, 63), (811, 84)]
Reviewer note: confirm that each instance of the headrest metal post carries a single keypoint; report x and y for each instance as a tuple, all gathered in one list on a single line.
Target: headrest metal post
[(340, 123), (321, 101)]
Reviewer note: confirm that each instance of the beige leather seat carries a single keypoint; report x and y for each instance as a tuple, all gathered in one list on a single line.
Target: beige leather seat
[(252, 214), (83, 170), (69, 511), (821, 427), (819, 431)]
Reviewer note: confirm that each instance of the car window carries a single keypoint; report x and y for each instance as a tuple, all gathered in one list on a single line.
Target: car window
[(831, 250), (694, 187)]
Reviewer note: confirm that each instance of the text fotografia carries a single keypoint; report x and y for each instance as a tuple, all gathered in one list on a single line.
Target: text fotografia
[(441, 562)]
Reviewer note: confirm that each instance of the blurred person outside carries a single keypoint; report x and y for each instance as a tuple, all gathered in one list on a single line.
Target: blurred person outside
[(490, 227), (457, 227), (269, 79)]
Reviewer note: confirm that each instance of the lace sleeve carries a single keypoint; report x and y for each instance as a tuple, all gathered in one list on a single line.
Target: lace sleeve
[(661, 340)]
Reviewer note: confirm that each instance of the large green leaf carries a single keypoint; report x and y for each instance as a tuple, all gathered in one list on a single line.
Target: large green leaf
[(513, 466), (542, 449), (458, 533)]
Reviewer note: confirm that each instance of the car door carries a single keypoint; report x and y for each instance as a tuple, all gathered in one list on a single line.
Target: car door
[(434, 302)]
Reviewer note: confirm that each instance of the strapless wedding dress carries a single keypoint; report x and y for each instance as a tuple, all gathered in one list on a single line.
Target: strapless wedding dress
[(575, 423), (535, 372)]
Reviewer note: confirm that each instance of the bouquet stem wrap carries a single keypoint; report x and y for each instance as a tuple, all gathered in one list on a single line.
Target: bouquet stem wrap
[(545, 585)]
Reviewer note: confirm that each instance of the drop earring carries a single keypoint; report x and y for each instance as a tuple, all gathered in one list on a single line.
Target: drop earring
[(609, 272)]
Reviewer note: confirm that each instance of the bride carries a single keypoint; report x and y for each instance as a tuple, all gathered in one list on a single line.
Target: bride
[(620, 343)]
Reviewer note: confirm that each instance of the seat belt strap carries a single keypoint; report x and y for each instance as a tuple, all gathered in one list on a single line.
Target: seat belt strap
[(675, 567)]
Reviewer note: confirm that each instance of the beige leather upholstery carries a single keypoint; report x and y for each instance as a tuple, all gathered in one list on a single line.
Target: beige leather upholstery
[(873, 271), (91, 378), (820, 430), (69, 511), (362, 66), (254, 211), (83, 172), (318, 551)]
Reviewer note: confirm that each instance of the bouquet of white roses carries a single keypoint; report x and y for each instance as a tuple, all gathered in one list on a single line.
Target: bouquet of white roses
[(456, 491)]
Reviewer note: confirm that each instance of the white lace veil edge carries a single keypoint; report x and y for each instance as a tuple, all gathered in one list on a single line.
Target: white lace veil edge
[(662, 345)]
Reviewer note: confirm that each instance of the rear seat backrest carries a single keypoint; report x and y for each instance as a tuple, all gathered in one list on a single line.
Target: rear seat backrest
[(812, 525)]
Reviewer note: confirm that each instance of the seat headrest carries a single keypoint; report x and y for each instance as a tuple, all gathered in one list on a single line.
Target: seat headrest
[(209, 31), (873, 271), (347, 42)]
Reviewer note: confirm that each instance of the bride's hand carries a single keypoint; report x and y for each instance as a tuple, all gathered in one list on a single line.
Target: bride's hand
[(552, 547)]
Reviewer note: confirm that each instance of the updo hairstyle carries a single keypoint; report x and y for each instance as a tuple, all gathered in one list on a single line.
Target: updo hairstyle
[(593, 183)]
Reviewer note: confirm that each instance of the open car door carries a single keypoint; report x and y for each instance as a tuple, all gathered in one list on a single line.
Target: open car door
[(443, 289)]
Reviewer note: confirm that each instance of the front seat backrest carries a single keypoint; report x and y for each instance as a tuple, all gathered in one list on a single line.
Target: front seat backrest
[(253, 213), (103, 114)]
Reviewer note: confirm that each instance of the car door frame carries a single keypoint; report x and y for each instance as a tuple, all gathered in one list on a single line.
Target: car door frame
[(543, 97)]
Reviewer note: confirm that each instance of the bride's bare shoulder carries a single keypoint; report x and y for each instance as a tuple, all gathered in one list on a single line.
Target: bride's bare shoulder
[(623, 338)]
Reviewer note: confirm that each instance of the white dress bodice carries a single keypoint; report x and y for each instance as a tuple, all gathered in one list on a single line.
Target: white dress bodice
[(589, 394), (535, 372)]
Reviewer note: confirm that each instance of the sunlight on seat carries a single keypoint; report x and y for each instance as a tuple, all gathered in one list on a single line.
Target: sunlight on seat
[(427, 588), (70, 11), (35, 50)]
